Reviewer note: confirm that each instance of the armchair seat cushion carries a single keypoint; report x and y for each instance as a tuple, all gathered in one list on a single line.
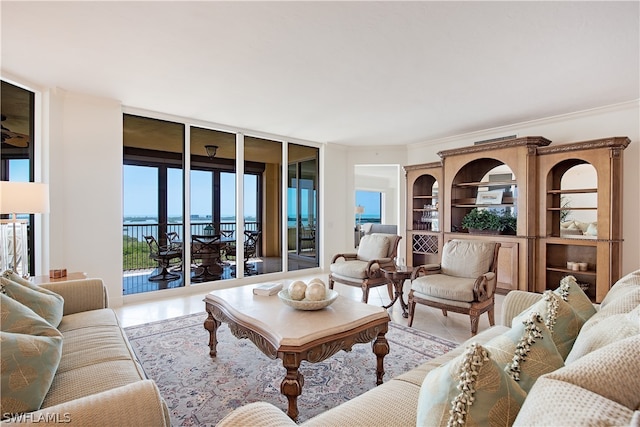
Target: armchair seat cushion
[(443, 301), (355, 269), (445, 287)]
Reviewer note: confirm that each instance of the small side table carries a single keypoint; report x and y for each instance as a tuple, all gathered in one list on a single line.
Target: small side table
[(397, 276), (38, 280)]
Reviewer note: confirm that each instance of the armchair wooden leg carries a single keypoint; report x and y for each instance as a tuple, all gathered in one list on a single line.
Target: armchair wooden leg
[(412, 310), (330, 283), (365, 293), (491, 317), (444, 312), (474, 324)]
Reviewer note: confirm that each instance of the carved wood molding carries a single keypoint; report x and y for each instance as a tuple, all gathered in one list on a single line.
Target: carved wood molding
[(328, 349), (615, 143), (528, 141), (241, 332), (423, 166)]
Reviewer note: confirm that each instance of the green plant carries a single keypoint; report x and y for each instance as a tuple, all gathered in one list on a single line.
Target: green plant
[(490, 219), (564, 212)]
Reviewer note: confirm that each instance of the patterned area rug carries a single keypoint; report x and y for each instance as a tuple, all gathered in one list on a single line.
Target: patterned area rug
[(200, 390)]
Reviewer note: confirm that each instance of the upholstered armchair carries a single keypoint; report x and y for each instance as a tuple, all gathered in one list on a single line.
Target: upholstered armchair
[(362, 269), (464, 282)]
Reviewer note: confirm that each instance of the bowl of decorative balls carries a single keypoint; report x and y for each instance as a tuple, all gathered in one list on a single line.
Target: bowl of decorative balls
[(308, 296)]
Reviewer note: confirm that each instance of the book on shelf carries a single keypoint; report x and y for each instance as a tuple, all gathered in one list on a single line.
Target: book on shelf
[(267, 289)]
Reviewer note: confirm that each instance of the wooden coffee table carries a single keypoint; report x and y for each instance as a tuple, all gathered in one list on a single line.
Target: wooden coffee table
[(291, 335)]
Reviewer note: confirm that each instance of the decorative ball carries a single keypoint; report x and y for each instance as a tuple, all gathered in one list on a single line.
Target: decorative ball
[(317, 280), (315, 291), (297, 290)]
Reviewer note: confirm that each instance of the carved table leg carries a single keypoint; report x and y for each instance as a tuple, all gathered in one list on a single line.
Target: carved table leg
[(292, 384), (211, 325), (381, 349), (397, 285)]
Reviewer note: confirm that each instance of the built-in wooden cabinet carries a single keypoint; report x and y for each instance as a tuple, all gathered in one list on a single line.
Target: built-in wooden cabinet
[(528, 174), (424, 213), (596, 243)]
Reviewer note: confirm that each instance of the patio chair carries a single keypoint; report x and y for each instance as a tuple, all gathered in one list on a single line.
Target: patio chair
[(174, 243), (163, 256), (205, 254), (464, 282), (363, 269), (251, 238)]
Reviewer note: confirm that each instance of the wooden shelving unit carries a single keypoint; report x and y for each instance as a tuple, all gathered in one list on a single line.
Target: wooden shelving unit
[(535, 259), (424, 214), (603, 251), (465, 174)]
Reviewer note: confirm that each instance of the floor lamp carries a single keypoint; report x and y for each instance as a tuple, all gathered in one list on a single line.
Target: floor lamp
[(22, 198)]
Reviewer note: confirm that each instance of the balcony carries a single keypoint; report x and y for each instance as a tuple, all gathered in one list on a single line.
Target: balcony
[(138, 268)]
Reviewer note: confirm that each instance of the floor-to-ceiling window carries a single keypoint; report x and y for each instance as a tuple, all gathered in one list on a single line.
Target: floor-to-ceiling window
[(152, 203), (17, 154), (302, 207), (218, 237), (262, 215)]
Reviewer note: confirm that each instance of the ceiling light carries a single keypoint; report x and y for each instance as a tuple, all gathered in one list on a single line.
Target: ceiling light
[(211, 150)]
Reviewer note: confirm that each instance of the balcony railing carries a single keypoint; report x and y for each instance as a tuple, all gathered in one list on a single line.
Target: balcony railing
[(135, 251)]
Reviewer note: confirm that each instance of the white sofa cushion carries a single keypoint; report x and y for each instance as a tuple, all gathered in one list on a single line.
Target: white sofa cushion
[(599, 389)]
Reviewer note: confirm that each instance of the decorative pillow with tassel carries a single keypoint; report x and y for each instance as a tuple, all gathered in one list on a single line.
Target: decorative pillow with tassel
[(469, 390)]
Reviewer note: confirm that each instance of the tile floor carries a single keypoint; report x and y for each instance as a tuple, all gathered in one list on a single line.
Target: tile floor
[(454, 327)]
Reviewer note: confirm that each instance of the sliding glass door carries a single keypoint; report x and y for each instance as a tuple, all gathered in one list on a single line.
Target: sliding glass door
[(230, 222), (302, 207)]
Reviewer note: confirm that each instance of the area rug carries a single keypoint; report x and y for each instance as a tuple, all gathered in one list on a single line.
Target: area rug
[(201, 390)]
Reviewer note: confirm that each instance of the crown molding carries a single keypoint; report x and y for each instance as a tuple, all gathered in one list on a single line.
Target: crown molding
[(515, 127)]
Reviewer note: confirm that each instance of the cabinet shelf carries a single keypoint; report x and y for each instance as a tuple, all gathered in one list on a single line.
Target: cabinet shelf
[(435, 197), (503, 205), (574, 208), (574, 191), (572, 272), (485, 184)]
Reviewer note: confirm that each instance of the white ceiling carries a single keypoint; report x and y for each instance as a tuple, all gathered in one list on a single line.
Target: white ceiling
[(354, 73)]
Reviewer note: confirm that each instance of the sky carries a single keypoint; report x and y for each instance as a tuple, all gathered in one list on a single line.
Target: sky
[(141, 189), (371, 202)]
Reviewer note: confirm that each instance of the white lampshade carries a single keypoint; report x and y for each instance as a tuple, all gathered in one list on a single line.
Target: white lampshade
[(23, 197), (360, 209)]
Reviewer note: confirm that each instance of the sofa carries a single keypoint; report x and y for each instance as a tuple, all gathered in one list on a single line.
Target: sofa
[(65, 359), (556, 359)]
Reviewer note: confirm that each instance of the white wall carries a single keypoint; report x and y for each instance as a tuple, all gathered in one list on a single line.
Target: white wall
[(84, 138), (618, 120)]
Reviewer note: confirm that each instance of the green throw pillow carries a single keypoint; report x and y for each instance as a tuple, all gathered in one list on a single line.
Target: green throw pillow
[(571, 293), (559, 318), (15, 277), (46, 304), (469, 390), (31, 352), (526, 351), (20, 319)]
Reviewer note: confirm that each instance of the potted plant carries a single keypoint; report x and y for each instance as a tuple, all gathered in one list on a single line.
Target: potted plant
[(489, 221)]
